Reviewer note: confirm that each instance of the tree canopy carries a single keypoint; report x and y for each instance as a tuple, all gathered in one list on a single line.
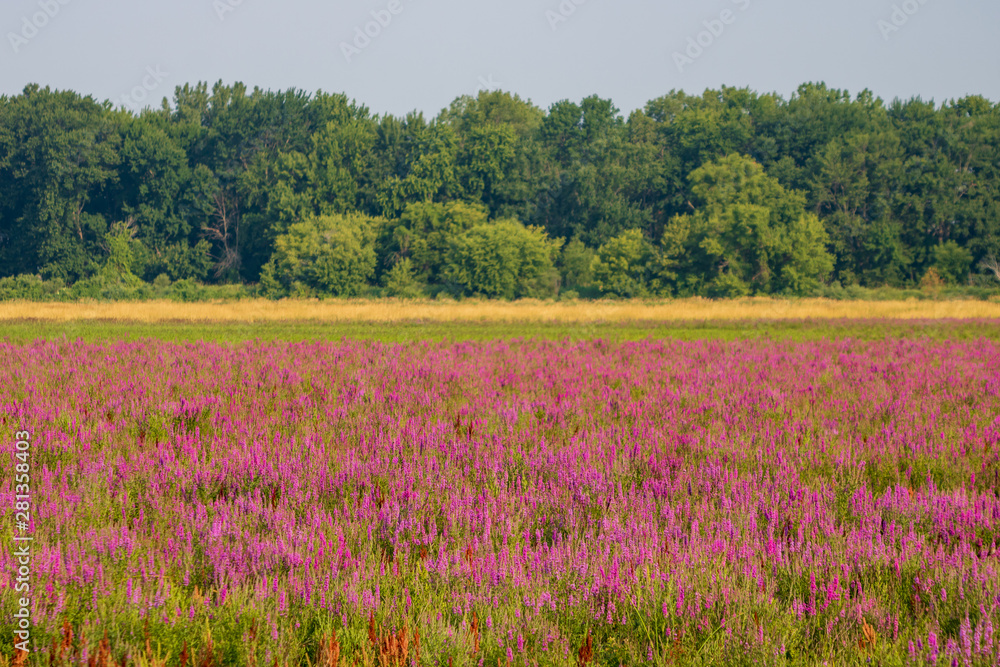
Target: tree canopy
[(724, 193), (747, 233)]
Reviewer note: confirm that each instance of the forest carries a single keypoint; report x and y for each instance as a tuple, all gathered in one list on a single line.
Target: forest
[(728, 193)]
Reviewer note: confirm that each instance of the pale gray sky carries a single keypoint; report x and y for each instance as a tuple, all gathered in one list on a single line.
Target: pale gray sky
[(431, 51)]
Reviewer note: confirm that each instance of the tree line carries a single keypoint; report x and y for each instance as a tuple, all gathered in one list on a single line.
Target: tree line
[(724, 194)]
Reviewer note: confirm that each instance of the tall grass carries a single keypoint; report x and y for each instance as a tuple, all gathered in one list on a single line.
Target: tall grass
[(390, 310)]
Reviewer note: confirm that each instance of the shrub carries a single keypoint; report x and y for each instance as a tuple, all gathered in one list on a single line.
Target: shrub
[(627, 265), (181, 260), (425, 233), (30, 287), (323, 256), (89, 288), (577, 262), (504, 259), (952, 262), (727, 286), (123, 250), (185, 290), (401, 281), (931, 282)]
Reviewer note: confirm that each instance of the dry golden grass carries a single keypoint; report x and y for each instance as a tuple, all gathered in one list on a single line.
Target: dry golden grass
[(387, 311)]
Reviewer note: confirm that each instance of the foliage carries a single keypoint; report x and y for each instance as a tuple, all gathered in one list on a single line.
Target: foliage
[(182, 261), (627, 266), (402, 281), (331, 255), (577, 261), (748, 234), (503, 259), (932, 281), (59, 153), (30, 288), (846, 189), (123, 250), (425, 232), (953, 262)]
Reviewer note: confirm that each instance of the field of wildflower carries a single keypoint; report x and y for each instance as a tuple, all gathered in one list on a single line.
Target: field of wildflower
[(518, 502)]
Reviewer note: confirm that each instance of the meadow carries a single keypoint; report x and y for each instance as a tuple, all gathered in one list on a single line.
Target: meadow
[(522, 487), (524, 311)]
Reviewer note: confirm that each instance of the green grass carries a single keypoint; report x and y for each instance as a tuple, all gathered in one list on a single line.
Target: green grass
[(91, 331)]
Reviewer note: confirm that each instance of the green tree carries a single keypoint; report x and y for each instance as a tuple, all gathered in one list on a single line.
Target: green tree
[(430, 171), (401, 280), (424, 234), (600, 184), (748, 234), (503, 259), (181, 261), (577, 269), (857, 179), (628, 265), (499, 160), (123, 249), (58, 158), (233, 138), (152, 177), (219, 173), (953, 263), (324, 255)]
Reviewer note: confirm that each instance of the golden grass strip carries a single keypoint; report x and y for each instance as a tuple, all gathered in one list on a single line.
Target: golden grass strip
[(262, 310)]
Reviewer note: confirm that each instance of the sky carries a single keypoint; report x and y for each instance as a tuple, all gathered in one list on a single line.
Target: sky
[(396, 56)]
